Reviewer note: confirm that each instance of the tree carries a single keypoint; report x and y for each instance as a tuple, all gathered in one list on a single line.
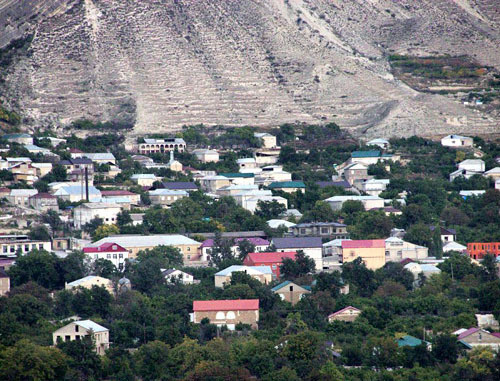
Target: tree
[(445, 348), (84, 363), (37, 266), (321, 212), (294, 268), (104, 267), (151, 361), (269, 209), (221, 254), (123, 218), (244, 248), (437, 244), (26, 361), (39, 233), (489, 268), (73, 267), (91, 226), (351, 207), (104, 231), (356, 273), (419, 234), (52, 218)]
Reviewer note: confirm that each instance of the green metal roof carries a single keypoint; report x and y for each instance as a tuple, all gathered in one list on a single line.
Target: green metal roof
[(359, 154), (287, 184), (245, 175), (410, 341)]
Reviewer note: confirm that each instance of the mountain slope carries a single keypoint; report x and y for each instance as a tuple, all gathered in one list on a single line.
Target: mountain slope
[(161, 64)]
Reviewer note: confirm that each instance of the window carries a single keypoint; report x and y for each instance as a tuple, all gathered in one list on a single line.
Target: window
[(302, 231), (291, 288), (40, 247), (77, 328), (114, 256), (400, 253), (115, 247), (108, 256), (67, 338), (188, 249), (220, 315), (325, 230), (26, 247), (4, 248), (120, 256), (230, 315), (387, 253)]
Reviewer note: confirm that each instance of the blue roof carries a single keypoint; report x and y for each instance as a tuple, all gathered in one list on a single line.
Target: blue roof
[(245, 175), (287, 184), (281, 285), (358, 154)]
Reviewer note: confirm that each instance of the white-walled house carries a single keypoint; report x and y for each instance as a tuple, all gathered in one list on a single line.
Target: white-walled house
[(206, 155), (397, 250), (312, 247), (457, 141), (112, 252), (369, 202), (268, 140), (174, 275), (473, 165), (85, 213)]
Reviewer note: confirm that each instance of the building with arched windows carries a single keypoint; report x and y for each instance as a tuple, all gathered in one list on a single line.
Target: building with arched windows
[(162, 145), (227, 312)]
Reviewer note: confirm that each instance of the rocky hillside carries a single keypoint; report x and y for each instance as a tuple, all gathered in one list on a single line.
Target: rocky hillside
[(159, 64)]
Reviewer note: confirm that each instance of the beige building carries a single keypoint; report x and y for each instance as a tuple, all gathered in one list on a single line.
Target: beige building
[(291, 292), (371, 251), (478, 337), (355, 172), (227, 312), (348, 314), (268, 140), (135, 243), (42, 169), (212, 183), (4, 283), (43, 202), (263, 274), (166, 197), (144, 179), (396, 250), (80, 329), (90, 281), (20, 197), (162, 145), (206, 155)]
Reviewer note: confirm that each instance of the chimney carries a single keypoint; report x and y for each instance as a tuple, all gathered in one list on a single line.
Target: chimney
[(87, 183)]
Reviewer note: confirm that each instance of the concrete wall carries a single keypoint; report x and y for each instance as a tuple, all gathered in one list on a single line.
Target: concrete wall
[(245, 317)]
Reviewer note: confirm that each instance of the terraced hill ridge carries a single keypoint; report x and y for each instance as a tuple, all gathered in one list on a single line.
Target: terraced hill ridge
[(160, 64)]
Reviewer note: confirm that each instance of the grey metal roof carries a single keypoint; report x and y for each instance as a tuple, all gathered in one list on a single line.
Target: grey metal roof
[(297, 242)]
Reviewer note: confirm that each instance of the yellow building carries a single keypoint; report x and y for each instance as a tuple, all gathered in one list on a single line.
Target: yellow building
[(371, 251), (90, 281)]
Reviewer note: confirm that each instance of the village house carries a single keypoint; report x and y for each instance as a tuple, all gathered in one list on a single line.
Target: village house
[(261, 273), (174, 275), (210, 184), (112, 252), (454, 246), (85, 213), (374, 187), (288, 186), (278, 223), (11, 244), (24, 172), (144, 179), (477, 250), (120, 196), (54, 142), (332, 230), (227, 312), (274, 260), (270, 174), (447, 235), (337, 183), (355, 173), (79, 329), (143, 161), (493, 173), (412, 342), (135, 243), (478, 337), (249, 199), (267, 156), (291, 292), (166, 197), (206, 155), (267, 140), (75, 193), (240, 178), (79, 164), (311, 246), (206, 247), (457, 141), (18, 138), (161, 145), (90, 281), (232, 190), (42, 169), (101, 158), (381, 143), (468, 168), (396, 250), (371, 252), (43, 202), (426, 269), (35, 150), (4, 282), (348, 314), (369, 202), (180, 185), (20, 197), (246, 163), (371, 157)]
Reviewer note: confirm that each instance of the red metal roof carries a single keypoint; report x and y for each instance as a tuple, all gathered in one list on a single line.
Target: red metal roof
[(363, 244), (226, 305), (273, 257), (105, 247)]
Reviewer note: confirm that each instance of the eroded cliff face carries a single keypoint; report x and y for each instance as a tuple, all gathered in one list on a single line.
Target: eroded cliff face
[(160, 64)]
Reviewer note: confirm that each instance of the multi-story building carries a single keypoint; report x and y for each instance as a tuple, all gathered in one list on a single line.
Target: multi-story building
[(332, 230), (79, 329), (261, 273), (206, 155), (162, 145), (112, 252), (20, 197), (371, 252), (227, 312), (477, 250), (166, 197), (12, 244), (85, 213), (396, 250), (44, 202), (273, 260), (369, 202), (311, 246)]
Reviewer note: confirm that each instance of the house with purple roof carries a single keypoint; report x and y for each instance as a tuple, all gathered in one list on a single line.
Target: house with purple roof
[(478, 337), (260, 244)]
